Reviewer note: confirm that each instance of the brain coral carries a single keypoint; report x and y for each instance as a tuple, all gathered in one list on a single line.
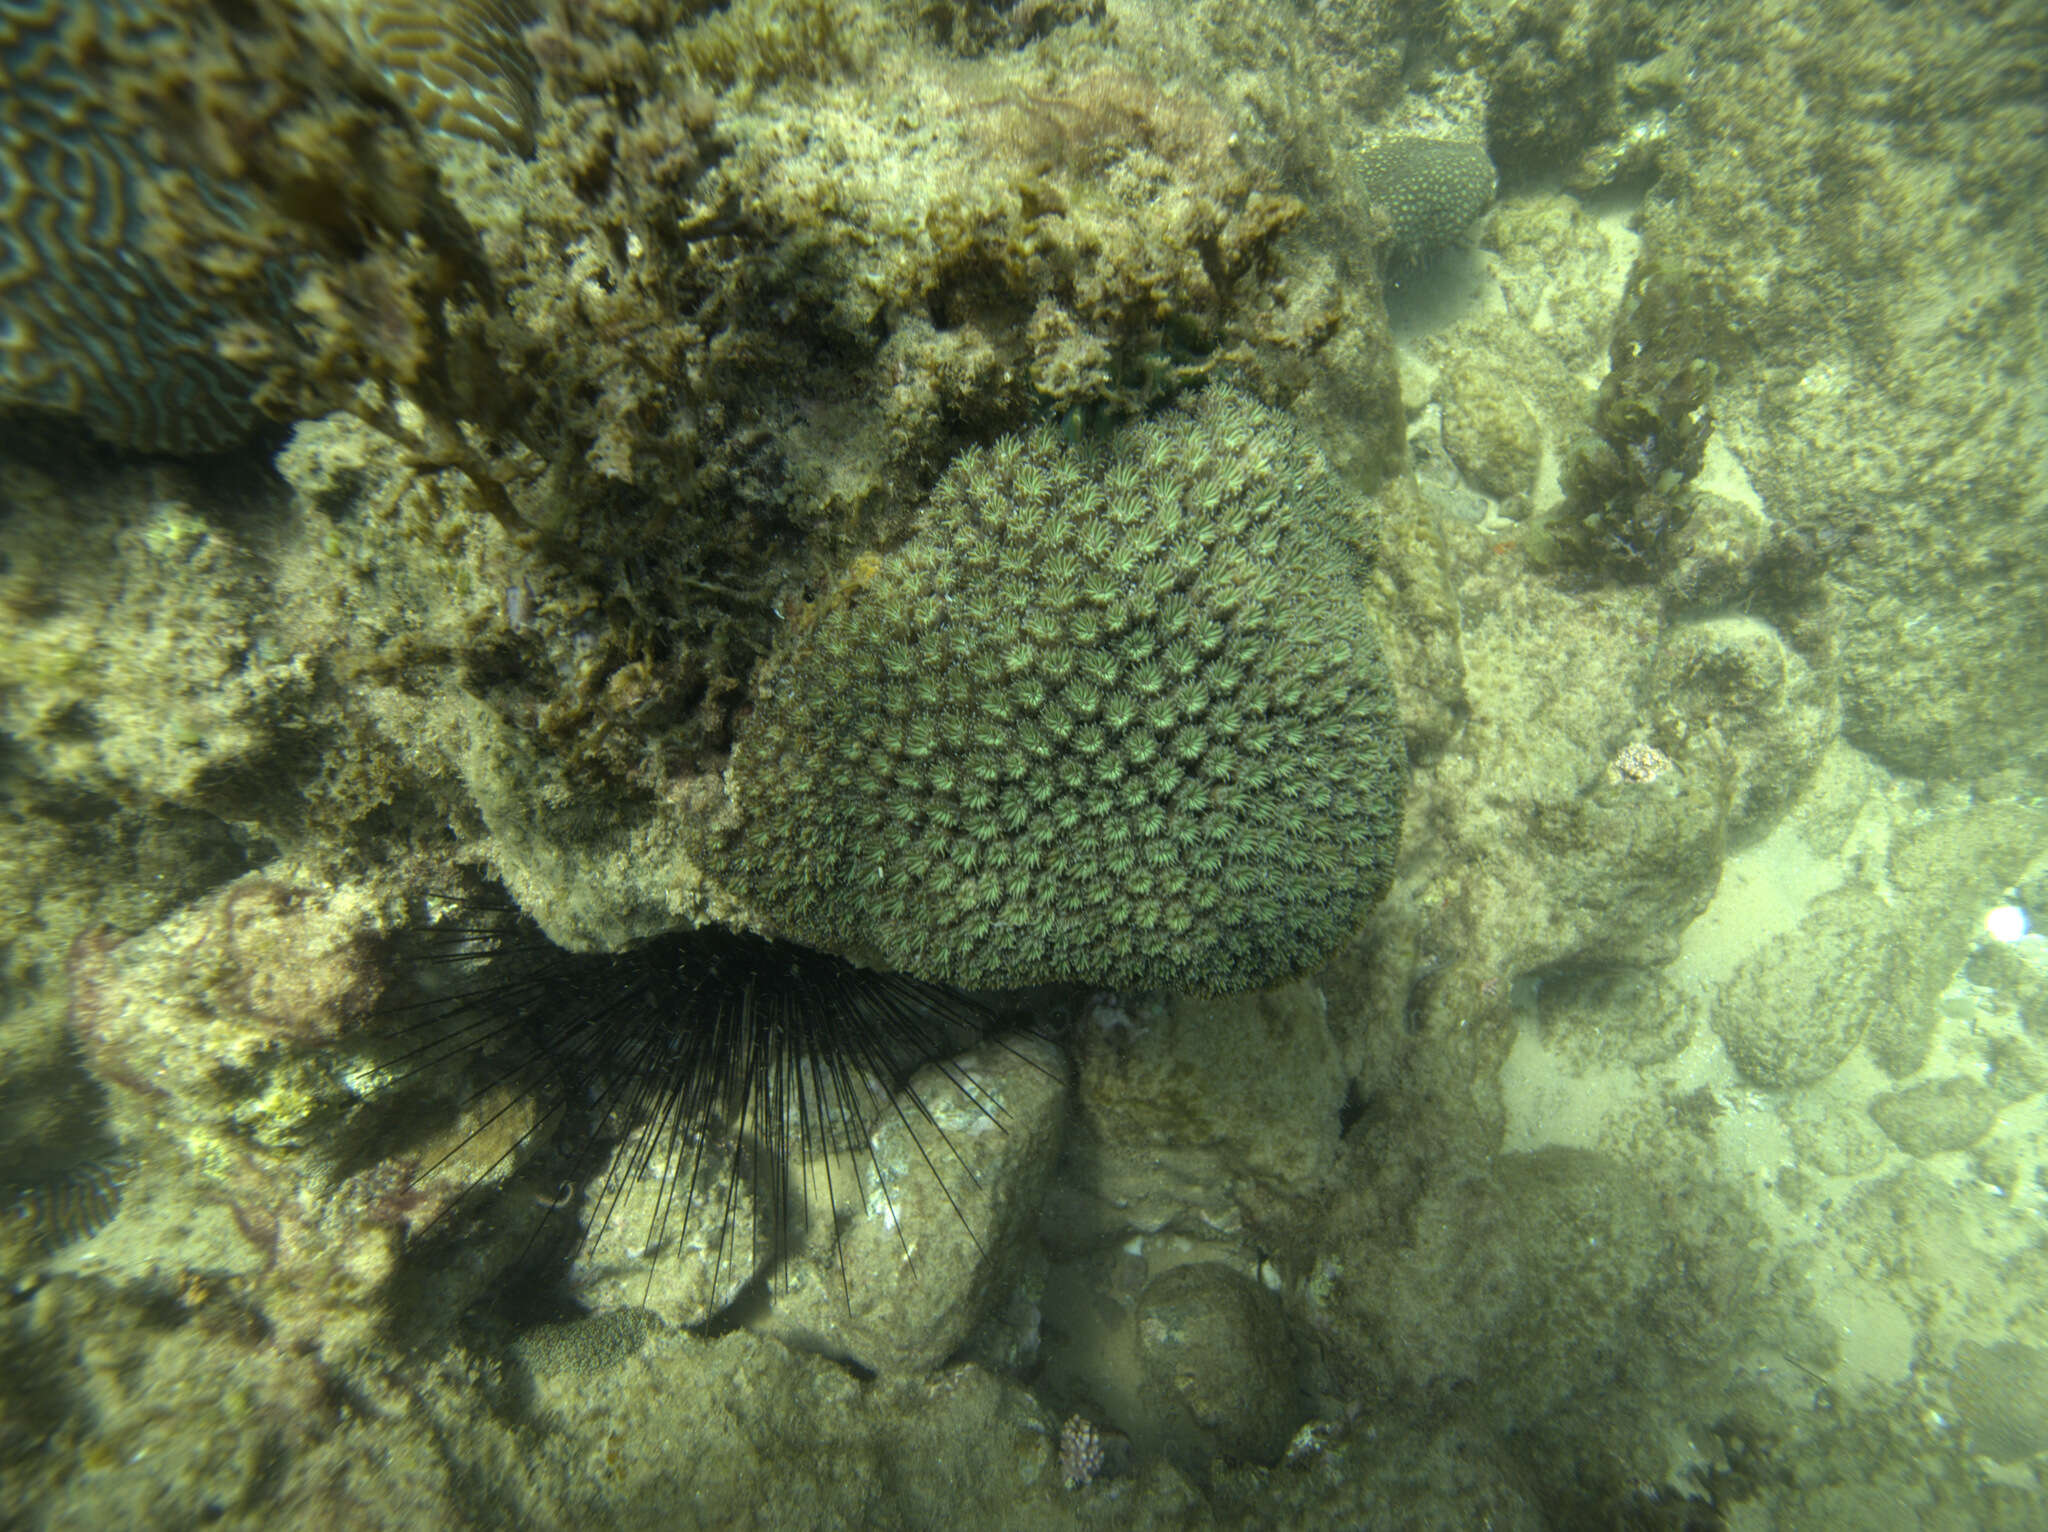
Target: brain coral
[(1117, 717), (458, 65), (1430, 189), (126, 233), (89, 324)]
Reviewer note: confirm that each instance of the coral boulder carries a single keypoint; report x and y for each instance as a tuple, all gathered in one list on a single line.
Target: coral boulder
[(1111, 715)]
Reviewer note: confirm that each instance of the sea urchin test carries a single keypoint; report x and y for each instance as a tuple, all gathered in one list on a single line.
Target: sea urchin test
[(1116, 717)]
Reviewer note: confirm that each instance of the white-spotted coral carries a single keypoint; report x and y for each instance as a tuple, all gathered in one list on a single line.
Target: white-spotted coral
[(1429, 189)]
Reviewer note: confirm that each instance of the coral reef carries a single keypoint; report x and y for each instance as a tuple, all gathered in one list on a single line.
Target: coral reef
[(73, 1204), (94, 328), (1121, 722)]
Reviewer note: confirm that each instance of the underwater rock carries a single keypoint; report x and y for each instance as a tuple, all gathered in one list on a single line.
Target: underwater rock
[(2000, 1394), (1490, 431), (1861, 967), (234, 1042), (1193, 1112), (672, 1234), (1791, 1013), (1731, 687), (1552, 1281), (1219, 1366), (941, 1207), (1936, 1116)]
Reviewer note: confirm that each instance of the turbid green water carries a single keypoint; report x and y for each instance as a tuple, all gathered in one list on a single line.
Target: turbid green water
[(486, 489)]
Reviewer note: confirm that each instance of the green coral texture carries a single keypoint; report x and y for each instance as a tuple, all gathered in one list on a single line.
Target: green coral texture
[(1115, 717)]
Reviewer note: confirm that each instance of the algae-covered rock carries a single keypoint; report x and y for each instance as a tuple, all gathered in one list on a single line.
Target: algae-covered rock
[(1626, 483), (139, 657), (196, 1405), (1561, 1279), (1733, 686), (2000, 1394), (1200, 1116), (1551, 80), (1423, 1475), (1936, 1116), (1946, 874), (2017, 981), (1860, 964), (1662, 842), (1793, 1012), (2019, 1069), (236, 1041), (1219, 1366), (1881, 401), (1490, 432)]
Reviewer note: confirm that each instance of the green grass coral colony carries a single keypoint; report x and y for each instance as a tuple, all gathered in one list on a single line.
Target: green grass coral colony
[(1115, 717)]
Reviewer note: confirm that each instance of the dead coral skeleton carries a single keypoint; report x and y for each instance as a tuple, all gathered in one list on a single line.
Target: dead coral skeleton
[(1080, 1452), (1639, 763)]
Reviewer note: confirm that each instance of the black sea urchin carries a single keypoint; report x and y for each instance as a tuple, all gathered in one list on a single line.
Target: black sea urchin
[(676, 1091)]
